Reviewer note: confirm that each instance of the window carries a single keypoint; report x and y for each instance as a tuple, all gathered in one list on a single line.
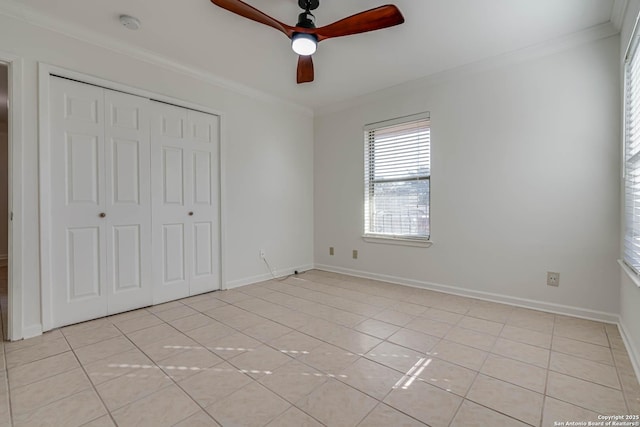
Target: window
[(632, 158), (397, 178)]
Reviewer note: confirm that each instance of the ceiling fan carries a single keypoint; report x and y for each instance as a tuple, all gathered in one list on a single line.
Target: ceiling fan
[(305, 36)]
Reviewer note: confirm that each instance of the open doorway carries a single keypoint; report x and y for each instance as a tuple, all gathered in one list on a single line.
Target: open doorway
[(4, 196)]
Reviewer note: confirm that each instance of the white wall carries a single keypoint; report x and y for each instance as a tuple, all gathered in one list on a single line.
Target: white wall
[(269, 149), (525, 180), (629, 291)]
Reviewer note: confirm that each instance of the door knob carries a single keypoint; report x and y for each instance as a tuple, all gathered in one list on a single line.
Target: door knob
[(190, 213), (102, 215)]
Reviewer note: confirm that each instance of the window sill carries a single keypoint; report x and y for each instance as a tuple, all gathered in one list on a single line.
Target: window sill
[(398, 241), (633, 276)]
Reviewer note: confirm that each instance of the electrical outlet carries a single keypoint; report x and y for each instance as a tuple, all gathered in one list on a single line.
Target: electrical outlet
[(330, 250), (553, 279), (262, 254), (355, 254)]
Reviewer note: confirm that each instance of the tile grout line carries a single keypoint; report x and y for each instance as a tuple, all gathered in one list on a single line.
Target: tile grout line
[(351, 364), (70, 350), (228, 361), (455, 414), (499, 412), (293, 404), (348, 328), (168, 376), (321, 292), (475, 378), (488, 352), (359, 423), (548, 370), (224, 360), (624, 394), (299, 297), (549, 357), (379, 401), (6, 372), (95, 390), (279, 351)]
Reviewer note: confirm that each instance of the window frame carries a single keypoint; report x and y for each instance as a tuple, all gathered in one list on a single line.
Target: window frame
[(370, 183), (632, 54)]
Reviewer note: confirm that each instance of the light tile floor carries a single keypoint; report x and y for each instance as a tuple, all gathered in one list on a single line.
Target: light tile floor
[(320, 349)]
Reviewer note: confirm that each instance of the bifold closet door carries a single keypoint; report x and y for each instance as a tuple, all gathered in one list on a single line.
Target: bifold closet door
[(77, 200), (185, 183), (128, 187), (100, 211)]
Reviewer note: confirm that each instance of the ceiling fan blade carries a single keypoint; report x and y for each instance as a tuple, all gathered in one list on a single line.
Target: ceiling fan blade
[(305, 69), (370, 20), (240, 8)]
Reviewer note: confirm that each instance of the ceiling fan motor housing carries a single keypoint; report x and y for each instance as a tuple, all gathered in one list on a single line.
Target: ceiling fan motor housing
[(306, 20), (309, 4)]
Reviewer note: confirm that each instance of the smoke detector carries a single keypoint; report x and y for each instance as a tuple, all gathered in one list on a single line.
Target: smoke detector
[(130, 22)]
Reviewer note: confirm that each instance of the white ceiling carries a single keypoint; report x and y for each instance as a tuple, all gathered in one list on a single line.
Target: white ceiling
[(437, 35)]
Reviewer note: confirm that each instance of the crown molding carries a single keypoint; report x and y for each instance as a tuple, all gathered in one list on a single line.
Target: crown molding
[(569, 41), (17, 10), (618, 11), (31, 16)]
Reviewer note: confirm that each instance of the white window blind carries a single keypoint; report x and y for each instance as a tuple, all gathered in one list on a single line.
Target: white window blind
[(397, 178), (632, 158)]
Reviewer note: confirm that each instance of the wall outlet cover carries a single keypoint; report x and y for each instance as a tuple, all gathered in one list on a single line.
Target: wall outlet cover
[(553, 279)]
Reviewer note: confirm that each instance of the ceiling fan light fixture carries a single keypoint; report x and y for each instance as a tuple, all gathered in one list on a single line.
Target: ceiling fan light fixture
[(304, 44), (305, 36)]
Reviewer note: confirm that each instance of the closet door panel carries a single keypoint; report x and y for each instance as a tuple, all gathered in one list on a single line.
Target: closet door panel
[(173, 253), (185, 146), (127, 258), (82, 169), (83, 263), (202, 181), (204, 143), (172, 176), (126, 171), (78, 197), (204, 128), (203, 244), (128, 187), (170, 165)]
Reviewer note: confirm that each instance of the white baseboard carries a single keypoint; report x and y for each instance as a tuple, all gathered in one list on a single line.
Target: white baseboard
[(633, 352), (267, 276), (568, 310), (35, 330)]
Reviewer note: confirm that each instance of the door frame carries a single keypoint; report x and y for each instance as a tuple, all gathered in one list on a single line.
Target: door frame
[(45, 72), (15, 193)]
